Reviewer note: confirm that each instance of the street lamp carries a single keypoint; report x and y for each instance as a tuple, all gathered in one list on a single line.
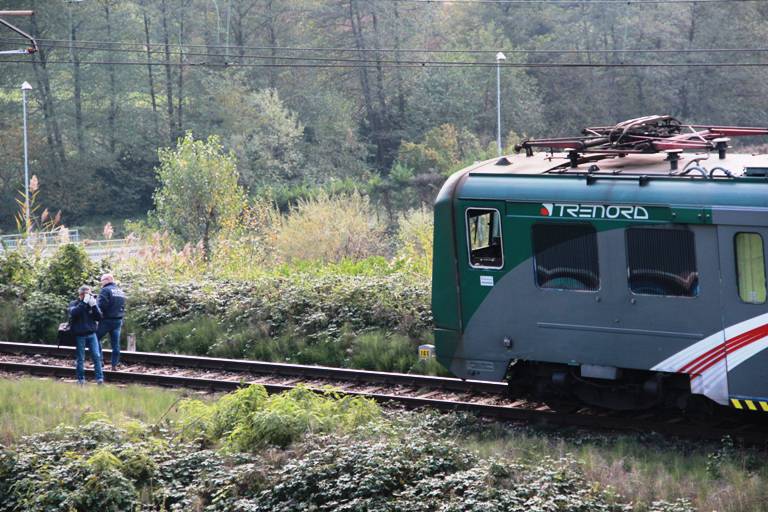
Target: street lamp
[(24, 88), (499, 58)]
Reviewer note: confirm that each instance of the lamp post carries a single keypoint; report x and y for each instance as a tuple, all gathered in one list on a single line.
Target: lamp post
[(499, 58), (24, 88)]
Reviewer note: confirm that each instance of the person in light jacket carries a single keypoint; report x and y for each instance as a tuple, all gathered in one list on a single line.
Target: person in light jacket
[(84, 314)]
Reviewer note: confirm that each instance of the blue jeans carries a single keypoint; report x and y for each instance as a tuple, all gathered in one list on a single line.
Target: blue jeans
[(111, 327), (95, 349)]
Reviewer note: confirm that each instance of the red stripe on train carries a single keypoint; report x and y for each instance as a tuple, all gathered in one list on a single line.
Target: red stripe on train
[(716, 354)]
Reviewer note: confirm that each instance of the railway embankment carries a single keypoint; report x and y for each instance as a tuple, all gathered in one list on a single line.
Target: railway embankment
[(371, 314)]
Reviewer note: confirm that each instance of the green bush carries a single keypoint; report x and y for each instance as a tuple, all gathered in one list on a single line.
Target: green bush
[(99, 466), (67, 270), (301, 305), (249, 419), (40, 316), (17, 269), (329, 229), (415, 232)]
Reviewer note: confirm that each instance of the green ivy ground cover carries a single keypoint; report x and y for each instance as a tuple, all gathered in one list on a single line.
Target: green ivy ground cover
[(247, 451)]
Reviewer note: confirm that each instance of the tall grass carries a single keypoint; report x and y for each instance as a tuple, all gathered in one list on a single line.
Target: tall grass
[(643, 470), (29, 405), (377, 351), (329, 229), (343, 231), (193, 337), (10, 321)]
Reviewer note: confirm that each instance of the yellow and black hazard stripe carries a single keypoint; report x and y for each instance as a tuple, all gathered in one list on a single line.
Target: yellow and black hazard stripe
[(750, 404)]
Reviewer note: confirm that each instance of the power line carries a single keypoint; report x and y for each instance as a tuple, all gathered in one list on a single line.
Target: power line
[(80, 44), (299, 58), (413, 64), (576, 2)]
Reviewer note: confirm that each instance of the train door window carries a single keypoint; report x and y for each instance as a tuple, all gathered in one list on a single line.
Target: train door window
[(565, 256), (484, 238), (750, 267), (662, 262)]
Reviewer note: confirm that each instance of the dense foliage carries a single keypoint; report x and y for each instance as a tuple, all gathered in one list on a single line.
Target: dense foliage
[(198, 192), (366, 314), (298, 118), (339, 454)]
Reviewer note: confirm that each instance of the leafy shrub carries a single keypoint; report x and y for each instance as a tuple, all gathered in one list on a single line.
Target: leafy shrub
[(316, 307), (17, 269), (40, 316), (99, 466), (329, 228), (249, 419), (67, 270), (414, 236)]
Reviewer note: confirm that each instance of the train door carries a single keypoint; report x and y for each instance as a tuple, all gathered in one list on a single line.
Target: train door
[(745, 314), (481, 248), (671, 299)]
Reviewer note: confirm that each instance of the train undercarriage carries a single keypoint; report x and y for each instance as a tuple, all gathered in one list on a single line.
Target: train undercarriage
[(615, 388)]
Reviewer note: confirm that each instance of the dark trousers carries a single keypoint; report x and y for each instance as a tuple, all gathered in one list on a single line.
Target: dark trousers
[(111, 327)]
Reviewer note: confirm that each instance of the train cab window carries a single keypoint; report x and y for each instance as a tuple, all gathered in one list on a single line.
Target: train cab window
[(662, 262), (750, 267), (484, 238), (565, 256)]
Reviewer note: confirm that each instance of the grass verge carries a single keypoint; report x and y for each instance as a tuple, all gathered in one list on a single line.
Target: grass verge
[(30, 405)]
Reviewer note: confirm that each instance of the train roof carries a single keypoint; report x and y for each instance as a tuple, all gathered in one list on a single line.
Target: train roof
[(701, 180), (648, 160), (682, 165)]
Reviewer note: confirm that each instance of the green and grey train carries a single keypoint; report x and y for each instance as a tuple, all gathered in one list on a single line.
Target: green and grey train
[(628, 271)]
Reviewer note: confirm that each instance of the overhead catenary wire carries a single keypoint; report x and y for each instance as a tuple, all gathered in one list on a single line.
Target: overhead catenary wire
[(94, 45), (379, 60), (575, 2), (412, 64)]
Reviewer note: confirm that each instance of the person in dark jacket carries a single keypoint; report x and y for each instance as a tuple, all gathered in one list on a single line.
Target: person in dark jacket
[(84, 314), (112, 304)]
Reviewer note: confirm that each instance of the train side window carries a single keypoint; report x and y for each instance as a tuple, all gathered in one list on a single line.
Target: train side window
[(750, 267), (662, 262), (565, 256), (484, 238)]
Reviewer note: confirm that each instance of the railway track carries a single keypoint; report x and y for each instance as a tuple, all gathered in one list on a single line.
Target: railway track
[(406, 390)]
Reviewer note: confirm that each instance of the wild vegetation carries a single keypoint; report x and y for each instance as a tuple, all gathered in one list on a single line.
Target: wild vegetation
[(382, 96), (247, 451), (286, 191)]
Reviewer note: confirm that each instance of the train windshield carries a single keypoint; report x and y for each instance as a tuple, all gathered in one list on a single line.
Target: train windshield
[(484, 238)]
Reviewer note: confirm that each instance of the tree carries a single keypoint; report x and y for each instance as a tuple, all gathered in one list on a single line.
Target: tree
[(265, 138), (199, 191)]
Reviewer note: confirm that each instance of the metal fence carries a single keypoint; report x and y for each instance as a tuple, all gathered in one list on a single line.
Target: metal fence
[(47, 243), (40, 239)]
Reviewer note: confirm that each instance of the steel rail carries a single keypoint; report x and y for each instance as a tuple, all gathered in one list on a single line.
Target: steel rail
[(277, 369), (546, 417)]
